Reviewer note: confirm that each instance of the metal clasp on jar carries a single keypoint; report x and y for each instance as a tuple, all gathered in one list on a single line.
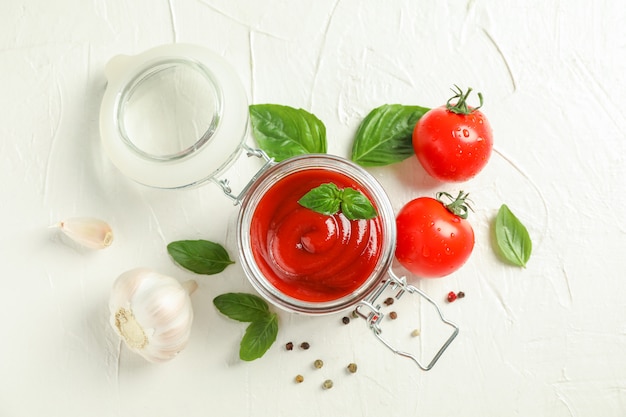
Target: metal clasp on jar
[(370, 310), (225, 183)]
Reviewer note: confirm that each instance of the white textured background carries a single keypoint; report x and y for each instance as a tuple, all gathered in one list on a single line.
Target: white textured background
[(549, 340)]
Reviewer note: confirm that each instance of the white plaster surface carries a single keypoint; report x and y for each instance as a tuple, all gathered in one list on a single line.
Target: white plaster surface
[(548, 340)]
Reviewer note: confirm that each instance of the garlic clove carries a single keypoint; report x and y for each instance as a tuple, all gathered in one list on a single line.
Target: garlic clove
[(152, 313), (89, 232)]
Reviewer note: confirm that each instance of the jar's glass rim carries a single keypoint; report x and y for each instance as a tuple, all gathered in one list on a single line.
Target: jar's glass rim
[(300, 163), (147, 72)]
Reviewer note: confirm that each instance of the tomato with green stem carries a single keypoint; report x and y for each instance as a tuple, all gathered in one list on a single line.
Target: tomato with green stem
[(434, 239), (453, 142)]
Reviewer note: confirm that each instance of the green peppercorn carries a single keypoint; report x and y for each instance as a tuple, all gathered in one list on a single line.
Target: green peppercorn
[(352, 368), (318, 363), (328, 384), (299, 378)]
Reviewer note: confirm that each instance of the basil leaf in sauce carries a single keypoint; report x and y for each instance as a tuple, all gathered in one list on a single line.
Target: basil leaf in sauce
[(356, 206), (200, 256), (325, 199), (259, 337), (328, 199), (241, 307), (283, 131), (385, 135), (512, 237)]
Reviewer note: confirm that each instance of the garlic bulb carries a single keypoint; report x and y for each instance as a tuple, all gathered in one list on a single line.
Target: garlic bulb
[(152, 313), (89, 232)]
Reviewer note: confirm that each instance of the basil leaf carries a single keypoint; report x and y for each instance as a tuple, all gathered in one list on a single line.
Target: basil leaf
[(283, 131), (241, 307), (325, 199), (328, 199), (385, 135), (259, 337), (200, 256), (512, 237), (355, 205)]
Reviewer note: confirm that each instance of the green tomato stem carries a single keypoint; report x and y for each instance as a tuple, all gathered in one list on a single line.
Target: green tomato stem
[(461, 107), (459, 205)]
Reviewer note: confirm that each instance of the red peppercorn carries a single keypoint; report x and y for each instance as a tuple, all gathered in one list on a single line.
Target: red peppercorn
[(451, 296)]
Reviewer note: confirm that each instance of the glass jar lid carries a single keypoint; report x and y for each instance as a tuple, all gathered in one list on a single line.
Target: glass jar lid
[(173, 116)]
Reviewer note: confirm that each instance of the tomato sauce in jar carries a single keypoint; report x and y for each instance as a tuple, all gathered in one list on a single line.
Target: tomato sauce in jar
[(306, 262), (307, 255)]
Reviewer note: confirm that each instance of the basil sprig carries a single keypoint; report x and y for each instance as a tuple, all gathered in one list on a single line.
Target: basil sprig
[(385, 135), (283, 131), (512, 237), (200, 256), (329, 199), (263, 328)]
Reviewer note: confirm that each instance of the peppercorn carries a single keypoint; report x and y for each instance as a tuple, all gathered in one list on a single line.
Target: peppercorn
[(299, 378), (346, 320), (305, 345), (354, 314), (289, 346), (389, 301), (352, 368), (460, 294), (318, 363), (393, 315), (328, 384), (451, 296), (415, 333)]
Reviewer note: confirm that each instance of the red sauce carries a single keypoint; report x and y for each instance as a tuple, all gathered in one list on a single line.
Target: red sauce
[(310, 256)]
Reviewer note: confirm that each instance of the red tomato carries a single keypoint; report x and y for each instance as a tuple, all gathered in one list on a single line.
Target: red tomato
[(431, 240), (453, 142)]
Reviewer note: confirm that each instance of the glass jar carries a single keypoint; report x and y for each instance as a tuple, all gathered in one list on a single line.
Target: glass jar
[(272, 177), (177, 116)]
